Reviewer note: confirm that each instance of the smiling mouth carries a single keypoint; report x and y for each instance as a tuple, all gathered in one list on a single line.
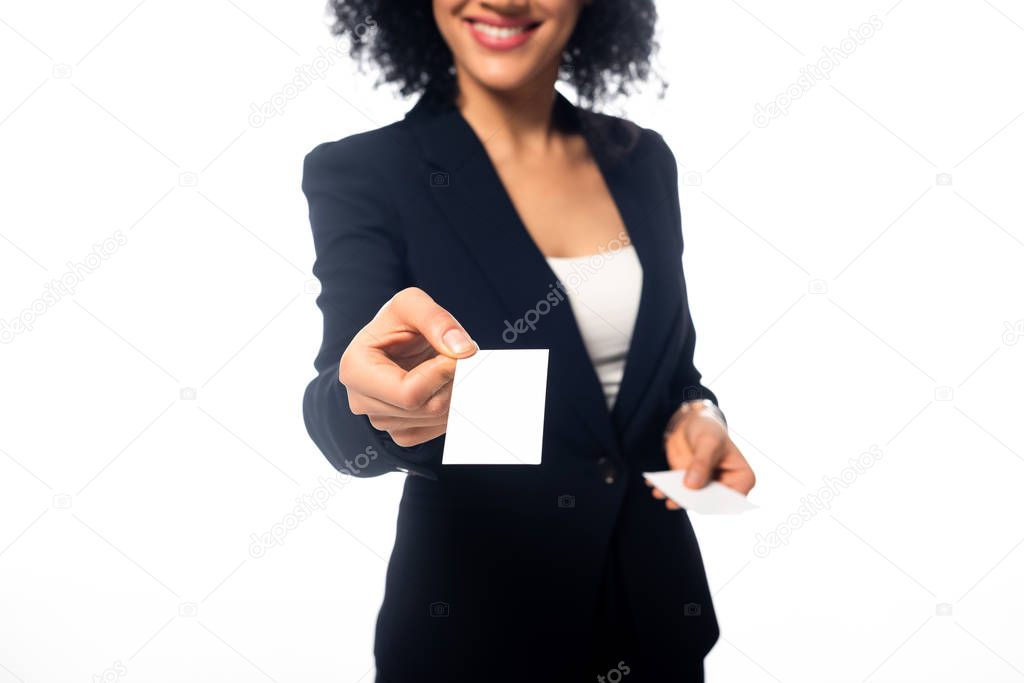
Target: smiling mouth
[(503, 34)]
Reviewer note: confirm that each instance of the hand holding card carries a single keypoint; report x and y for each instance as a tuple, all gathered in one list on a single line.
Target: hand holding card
[(712, 499)]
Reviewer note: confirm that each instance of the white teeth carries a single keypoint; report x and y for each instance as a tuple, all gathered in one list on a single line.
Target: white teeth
[(498, 31)]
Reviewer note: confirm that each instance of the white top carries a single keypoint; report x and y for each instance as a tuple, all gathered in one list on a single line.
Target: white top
[(604, 293)]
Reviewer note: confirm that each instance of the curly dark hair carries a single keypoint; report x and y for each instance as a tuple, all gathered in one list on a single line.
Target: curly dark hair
[(609, 50)]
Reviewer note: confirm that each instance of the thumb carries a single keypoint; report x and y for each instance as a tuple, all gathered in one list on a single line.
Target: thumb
[(414, 309)]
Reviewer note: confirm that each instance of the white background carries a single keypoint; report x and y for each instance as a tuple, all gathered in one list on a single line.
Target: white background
[(843, 298)]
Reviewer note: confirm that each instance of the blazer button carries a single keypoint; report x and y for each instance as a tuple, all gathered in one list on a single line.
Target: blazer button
[(607, 469)]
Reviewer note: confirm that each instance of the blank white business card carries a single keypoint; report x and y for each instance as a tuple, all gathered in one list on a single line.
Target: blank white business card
[(713, 499), (496, 415)]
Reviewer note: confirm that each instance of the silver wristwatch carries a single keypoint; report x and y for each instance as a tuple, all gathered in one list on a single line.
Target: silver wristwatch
[(706, 406)]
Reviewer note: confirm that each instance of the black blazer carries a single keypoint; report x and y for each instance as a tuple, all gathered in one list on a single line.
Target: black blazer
[(497, 569)]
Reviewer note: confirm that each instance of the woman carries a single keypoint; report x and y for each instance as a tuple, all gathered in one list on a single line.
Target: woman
[(436, 236)]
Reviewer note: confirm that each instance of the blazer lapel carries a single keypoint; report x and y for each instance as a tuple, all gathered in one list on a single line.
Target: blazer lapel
[(645, 203), (645, 212)]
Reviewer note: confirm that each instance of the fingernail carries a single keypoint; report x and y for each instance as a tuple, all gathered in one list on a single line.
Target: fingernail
[(692, 478), (457, 341)]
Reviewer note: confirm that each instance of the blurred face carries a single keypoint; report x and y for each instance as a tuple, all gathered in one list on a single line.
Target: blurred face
[(505, 45)]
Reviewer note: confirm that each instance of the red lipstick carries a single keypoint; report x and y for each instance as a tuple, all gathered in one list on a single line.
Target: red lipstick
[(501, 33)]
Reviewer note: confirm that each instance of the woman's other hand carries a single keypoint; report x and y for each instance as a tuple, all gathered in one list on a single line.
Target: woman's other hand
[(398, 370), (699, 444)]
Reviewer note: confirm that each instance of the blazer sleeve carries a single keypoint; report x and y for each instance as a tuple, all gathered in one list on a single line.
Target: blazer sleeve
[(686, 382), (360, 265)]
